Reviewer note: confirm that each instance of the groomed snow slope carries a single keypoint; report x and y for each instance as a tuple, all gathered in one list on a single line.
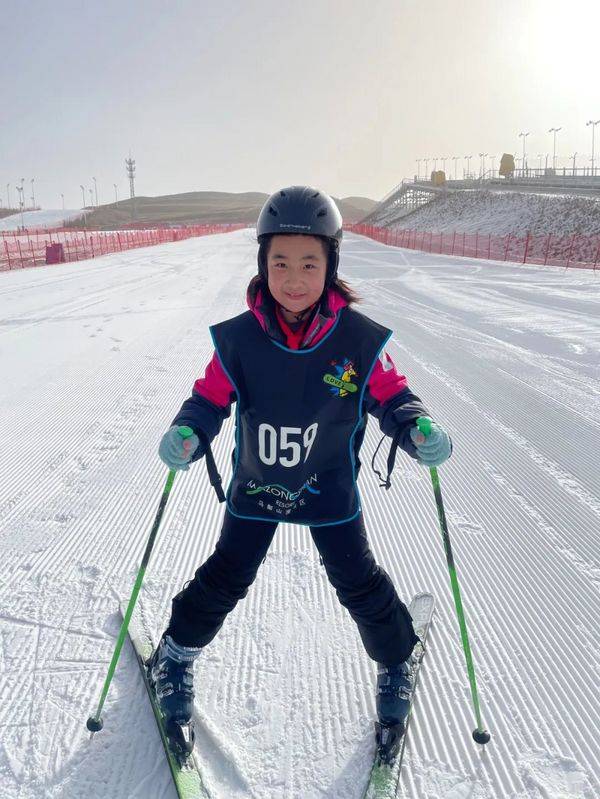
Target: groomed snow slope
[(502, 213), (95, 359)]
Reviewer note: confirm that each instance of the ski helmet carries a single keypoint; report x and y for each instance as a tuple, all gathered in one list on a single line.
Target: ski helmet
[(301, 210)]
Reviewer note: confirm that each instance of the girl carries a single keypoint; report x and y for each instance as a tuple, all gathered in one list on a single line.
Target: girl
[(304, 369)]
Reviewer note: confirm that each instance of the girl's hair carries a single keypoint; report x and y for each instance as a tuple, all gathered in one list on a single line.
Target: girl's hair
[(344, 289)]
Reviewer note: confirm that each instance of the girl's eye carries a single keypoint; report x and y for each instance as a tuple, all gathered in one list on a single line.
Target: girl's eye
[(309, 266)]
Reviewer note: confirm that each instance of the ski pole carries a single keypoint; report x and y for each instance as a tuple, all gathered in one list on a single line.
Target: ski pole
[(480, 735), (95, 723)]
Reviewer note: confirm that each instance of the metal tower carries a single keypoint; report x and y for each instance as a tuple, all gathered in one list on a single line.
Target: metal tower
[(130, 163)]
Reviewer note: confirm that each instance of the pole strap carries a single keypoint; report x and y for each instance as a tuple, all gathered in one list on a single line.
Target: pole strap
[(213, 473), (391, 460)]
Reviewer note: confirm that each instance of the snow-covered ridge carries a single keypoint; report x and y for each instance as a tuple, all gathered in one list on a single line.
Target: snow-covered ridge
[(38, 220), (505, 212)]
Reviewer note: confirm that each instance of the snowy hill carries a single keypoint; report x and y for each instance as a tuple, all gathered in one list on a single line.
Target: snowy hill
[(97, 356), (505, 212), (201, 207), (33, 220)]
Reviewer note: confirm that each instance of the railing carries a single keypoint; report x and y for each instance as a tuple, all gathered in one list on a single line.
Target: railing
[(575, 250), (34, 248)]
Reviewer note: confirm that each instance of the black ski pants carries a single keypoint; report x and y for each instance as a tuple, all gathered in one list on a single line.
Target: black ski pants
[(363, 587)]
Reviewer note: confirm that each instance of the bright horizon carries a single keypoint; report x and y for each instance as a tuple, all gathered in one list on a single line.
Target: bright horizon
[(238, 98)]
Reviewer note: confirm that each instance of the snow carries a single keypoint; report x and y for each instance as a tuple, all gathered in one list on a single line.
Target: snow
[(97, 356), (501, 213), (36, 220)]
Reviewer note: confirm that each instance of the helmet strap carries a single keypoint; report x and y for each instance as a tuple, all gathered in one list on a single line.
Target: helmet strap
[(333, 258)]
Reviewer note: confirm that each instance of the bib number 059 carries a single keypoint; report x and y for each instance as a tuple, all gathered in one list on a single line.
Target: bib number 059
[(283, 445)]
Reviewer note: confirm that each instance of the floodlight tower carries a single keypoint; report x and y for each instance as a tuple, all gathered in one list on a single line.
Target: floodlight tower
[(482, 156), (593, 124), (468, 158), (21, 190), (555, 131), (524, 136)]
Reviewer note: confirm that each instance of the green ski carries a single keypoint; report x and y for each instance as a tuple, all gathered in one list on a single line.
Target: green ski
[(384, 779), (186, 776)]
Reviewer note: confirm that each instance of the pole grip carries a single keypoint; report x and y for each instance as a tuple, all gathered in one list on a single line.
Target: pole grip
[(424, 424)]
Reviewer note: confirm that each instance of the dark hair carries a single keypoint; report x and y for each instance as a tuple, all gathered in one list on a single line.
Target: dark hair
[(329, 248)]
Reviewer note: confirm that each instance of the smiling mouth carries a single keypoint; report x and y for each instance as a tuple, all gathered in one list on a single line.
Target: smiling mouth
[(295, 296)]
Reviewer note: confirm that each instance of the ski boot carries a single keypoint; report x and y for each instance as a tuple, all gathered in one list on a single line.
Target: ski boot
[(394, 691), (171, 675)]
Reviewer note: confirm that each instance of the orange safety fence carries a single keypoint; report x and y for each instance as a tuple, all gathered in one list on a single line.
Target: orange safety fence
[(575, 250), (34, 248)]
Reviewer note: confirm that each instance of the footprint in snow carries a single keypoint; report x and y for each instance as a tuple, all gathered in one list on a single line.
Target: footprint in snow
[(554, 775), (464, 524)]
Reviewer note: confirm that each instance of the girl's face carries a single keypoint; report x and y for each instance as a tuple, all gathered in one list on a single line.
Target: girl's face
[(297, 267)]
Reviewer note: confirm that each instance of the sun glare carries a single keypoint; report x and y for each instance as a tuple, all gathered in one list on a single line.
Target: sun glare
[(560, 41)]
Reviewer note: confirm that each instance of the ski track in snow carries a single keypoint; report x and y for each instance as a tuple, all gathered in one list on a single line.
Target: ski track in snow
[(97, 357)]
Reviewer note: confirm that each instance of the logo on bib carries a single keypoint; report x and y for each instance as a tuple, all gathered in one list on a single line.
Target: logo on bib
[(280, 499), (341, 383)]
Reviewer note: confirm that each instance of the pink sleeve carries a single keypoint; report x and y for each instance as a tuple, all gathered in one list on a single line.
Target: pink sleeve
[(215, 386), (385, 382)]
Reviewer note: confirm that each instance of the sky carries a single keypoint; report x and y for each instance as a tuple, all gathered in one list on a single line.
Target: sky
[(254, 96)]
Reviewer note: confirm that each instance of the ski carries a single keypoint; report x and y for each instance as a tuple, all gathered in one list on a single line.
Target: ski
[(186, 775), (384, 779)]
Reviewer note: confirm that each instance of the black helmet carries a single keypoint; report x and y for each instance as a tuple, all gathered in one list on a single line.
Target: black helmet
[(301, 210)]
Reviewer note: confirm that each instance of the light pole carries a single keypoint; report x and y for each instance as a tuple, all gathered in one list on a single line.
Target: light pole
[(524, 135), (91, 197), (593, 124), (435, 160), (62, 196), (82, 194), (493, 159), (21, 190), (8, 194), (574, 157), (32, 194), (95, 191), (482, 165), (468, 158), (444, 163), (116, 198), (455, 158), (554, 131), (426, 168)]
